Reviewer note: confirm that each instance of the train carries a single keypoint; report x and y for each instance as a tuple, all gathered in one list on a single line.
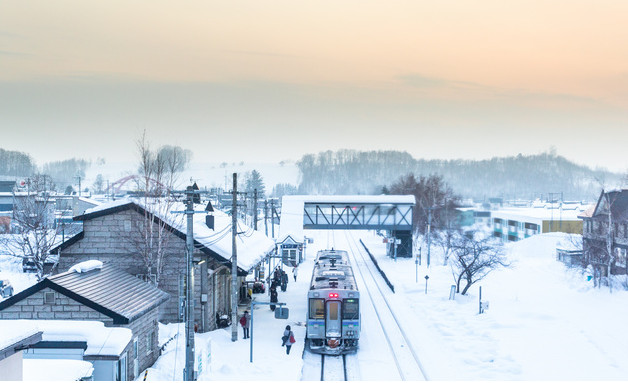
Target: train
[(333, 322)]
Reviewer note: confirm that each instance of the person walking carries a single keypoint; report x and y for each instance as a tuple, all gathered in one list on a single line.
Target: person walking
[(245, 322), (288, 339), (294, 273)]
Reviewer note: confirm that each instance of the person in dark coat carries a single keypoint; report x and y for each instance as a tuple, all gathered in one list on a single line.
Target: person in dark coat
[(245, 322), (288, 339), (273, 297), (284, 281)]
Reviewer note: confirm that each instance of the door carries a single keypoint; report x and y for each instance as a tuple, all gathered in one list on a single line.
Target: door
[(332, 320), (122, 368)]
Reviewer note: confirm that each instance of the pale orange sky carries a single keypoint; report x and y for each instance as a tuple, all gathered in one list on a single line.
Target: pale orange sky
[(416, 68)]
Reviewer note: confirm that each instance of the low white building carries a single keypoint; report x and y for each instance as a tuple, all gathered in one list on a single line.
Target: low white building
[(514, 224)]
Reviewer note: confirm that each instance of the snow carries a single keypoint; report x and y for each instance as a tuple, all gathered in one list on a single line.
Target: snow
[(545, 322), (352, 199), (100, 340), (56, 369), (11, 270), (11, 332), (86, 266)]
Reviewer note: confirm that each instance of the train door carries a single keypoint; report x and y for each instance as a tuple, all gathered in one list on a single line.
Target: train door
[(332, 321)]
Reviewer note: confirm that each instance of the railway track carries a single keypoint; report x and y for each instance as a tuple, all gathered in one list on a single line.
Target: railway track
[(333, 368), (406, 360)]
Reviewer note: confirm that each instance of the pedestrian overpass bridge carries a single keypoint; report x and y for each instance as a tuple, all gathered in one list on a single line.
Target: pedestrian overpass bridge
[(392, 213)]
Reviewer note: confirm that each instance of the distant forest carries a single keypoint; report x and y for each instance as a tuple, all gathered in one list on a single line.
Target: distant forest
[(15, 165), (524, 177)]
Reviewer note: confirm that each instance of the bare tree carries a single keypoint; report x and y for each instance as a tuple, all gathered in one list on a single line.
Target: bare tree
[(473, 259), (158, 176), (445, 239), (35, 232)]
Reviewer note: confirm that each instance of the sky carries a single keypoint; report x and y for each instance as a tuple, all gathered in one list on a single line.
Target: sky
[(268, 81)]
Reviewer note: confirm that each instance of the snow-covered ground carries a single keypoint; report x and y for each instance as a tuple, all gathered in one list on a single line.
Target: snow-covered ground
[(11, 270), (545, 322)]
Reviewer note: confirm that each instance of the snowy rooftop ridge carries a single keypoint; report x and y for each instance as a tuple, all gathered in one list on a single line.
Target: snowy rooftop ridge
[(253, 245)]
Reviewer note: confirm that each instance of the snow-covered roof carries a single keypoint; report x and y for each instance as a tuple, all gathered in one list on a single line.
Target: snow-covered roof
[(12, 333), (349, 199), (101, 340), (57, 370), (252, 246), (537, 213)]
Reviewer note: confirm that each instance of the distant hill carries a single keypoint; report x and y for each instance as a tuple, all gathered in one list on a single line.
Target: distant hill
[(528, 177)]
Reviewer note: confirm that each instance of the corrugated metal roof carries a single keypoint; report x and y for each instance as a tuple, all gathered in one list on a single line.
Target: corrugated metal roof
[(113, 289)]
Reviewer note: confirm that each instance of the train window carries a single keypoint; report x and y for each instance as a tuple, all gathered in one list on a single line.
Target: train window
[(333, 310), (351, 309), (317, 308)]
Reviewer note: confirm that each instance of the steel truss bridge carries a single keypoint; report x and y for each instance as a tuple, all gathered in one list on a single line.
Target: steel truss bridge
[(392, 213)]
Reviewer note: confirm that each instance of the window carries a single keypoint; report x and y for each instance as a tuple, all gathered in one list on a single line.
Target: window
[(136, 355), (149, 342), (121, 368), (351, 309), (317, 308), (49, 298), (620, 256), (333, 310)]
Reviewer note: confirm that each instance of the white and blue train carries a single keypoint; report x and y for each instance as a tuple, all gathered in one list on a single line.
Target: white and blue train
[(333, 323)]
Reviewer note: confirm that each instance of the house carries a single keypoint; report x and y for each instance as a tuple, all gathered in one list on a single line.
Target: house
[(606, 229), (514, 224), (112, 233), (98, 293), (13, 341)]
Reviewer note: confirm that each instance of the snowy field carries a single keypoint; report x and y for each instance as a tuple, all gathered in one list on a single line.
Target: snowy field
[(545, 322)]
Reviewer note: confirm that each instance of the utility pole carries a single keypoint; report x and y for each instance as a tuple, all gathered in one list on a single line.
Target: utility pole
[(255, 209), (234, 261), (272, 216), (189, 295), (429, 228), (79, 179), (108, 191), (266, 217)]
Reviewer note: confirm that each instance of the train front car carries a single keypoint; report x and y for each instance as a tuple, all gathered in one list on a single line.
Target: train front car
[(333, 325)]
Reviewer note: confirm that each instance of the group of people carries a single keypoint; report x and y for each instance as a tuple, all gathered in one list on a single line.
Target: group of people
[(280, 278)]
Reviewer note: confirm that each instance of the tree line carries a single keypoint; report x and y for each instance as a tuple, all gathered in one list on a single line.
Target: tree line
[(514, 177), (56, 175)]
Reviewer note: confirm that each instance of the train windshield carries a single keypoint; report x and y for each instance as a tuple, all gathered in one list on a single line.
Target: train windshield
[(317, 308), (351, 309)]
